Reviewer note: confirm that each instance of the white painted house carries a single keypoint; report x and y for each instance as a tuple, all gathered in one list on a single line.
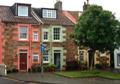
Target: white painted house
[(117, 58)]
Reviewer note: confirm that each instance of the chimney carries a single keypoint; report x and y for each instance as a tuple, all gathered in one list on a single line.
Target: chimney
[(58, 5), (86, 4)]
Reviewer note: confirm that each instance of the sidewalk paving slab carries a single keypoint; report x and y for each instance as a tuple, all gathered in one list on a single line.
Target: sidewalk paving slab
[(51, 78)]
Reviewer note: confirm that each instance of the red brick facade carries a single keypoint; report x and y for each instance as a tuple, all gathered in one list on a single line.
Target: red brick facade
[(11, 47)]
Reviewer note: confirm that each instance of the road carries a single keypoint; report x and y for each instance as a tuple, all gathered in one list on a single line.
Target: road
[(11, 81)]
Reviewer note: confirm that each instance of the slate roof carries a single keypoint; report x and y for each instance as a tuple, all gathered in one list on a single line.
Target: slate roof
[(6, 15), (60, 20)]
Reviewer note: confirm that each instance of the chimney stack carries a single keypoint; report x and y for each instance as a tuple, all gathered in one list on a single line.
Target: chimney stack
[(86, 4), (58, 5)]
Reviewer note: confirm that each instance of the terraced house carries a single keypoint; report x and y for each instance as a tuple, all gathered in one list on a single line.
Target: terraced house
[(23, 29)]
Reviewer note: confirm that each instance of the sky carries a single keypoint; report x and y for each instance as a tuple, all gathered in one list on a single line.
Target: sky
[(111, 5)]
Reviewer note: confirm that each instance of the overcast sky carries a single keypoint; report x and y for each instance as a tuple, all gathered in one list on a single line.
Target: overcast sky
[(112, 5)]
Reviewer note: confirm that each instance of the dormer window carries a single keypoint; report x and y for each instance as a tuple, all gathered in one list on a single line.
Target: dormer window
[(22, 10), (47, 13)]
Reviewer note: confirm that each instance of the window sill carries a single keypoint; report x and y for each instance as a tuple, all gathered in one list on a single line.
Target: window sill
[(45, 40), (45, 62), (35, 62), (23, 40), (35, 41), (57, 41)]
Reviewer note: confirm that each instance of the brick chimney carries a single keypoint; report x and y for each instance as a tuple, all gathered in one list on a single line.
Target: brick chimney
[(86, 4), (58, 5)]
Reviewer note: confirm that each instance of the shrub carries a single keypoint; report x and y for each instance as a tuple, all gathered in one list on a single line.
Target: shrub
[(46, 68), (39, 69), (36, 68), (51, 67), (82, 65), (98, 66), (14, 70), (72, 65), (9, 71)]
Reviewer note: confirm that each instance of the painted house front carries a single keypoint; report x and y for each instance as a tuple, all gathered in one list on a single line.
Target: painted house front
[(19, 37), (117, 58), (56, 30)]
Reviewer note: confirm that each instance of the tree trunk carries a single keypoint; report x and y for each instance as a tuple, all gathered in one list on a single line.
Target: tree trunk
[(91, 59)]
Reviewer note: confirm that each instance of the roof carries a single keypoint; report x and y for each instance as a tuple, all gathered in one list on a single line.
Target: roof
[(60, 20), (6, 15), (63, 17), (75, 14)]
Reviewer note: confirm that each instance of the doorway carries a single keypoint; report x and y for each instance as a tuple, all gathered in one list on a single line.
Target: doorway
[(57, 57)]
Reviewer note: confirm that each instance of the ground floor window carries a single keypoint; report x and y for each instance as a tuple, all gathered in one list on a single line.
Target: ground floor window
[(35, 57), (81, 53), (45, 57), (118, 59)]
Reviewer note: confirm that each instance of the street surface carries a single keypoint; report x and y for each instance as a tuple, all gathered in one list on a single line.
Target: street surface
[(11, 81)]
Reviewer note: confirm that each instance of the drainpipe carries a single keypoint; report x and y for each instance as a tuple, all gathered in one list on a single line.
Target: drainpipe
[(30, 47), (51, 44)]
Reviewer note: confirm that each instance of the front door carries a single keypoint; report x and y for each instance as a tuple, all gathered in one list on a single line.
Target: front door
[(57, 60), (23, 61)]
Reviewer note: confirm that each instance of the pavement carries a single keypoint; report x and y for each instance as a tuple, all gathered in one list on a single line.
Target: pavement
[(51, 78), (4, 80)]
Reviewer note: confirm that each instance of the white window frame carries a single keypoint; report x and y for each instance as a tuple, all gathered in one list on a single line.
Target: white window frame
[(23, 10), (45, 30), (20, 33), (35, 33), (47, 13), (81, 55), (35, 55), (47, 56), (60, 38)]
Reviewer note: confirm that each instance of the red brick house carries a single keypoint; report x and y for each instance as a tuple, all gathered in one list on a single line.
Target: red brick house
[(19, 37), (23, 29)]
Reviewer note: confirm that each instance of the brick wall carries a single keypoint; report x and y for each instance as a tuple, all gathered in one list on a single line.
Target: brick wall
[(70, 45), (12, 44)]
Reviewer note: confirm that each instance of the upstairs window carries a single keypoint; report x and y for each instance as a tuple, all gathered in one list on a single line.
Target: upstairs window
[(56, 33), (35, 36), (23, 33), (45, 35), (46, 13), (22, 10)]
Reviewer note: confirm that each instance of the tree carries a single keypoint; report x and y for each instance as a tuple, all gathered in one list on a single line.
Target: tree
[(96, 29)]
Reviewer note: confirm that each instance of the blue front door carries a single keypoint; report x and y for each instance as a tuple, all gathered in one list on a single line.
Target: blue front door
[(57, 60)]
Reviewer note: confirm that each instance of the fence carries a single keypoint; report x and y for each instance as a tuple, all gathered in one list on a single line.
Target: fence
[(3, 70)]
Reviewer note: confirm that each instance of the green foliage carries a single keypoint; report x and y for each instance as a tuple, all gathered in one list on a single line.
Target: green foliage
[(86, 74), (96, 29), (49, 68), (35, 68), (14, 70)]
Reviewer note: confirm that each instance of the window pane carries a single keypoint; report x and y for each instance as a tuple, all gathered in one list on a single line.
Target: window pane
[(56, 33), (118, 59), (49, 13), (45, 56), (35, 36), (45, 35), (35, 57), (81, 55), (23, 33), (22, 10)]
